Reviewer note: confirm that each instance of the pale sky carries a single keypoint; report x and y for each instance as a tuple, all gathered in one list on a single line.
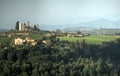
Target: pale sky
[(56, 12)]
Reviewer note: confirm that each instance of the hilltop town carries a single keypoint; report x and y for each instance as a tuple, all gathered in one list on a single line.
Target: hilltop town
[(24, 34)]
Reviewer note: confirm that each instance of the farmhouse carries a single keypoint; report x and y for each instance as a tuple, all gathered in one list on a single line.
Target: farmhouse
[(74, 35), (18, 41), (46, 41), (30, 40)]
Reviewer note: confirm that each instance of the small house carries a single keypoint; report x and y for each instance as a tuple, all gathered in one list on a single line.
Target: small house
[(18, 41)]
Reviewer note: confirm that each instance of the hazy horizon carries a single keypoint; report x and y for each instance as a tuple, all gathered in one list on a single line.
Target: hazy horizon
[(54, 12)]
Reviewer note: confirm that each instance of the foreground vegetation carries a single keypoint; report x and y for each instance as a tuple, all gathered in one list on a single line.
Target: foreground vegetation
[(61, 58), (95, 39)]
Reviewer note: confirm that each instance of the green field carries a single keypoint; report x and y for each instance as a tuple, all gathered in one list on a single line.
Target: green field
[(92, 39)]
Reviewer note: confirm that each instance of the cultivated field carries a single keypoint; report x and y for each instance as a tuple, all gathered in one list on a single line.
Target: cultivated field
[(92, 39)]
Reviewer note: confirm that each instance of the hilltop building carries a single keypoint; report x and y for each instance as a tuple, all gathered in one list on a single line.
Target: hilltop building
[(22, 26)]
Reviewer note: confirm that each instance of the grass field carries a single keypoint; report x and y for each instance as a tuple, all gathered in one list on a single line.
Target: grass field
[(92, 39)]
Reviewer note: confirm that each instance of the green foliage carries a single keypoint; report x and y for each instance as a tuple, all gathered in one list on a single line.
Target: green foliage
[(92, 39), (61, 58)]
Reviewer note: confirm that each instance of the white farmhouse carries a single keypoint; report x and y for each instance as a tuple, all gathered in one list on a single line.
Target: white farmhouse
[(18, 41)]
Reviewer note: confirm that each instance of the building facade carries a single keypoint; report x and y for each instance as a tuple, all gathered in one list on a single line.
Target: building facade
[(18, 41), (22, 26)]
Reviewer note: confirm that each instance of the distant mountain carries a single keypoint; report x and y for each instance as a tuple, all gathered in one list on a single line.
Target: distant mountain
[(3, 30), (103, 23), (83, 30), (54, 27), (51, 27), (97, 24), (93, 25), (100, 23)]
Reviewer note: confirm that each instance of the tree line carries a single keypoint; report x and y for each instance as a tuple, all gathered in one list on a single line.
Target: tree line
[(61, 58)]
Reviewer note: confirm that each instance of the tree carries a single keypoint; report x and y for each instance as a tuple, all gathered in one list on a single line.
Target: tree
[(36, 27), (46, 73), (53, 72), (79, 32), (6, 70), (86, 70), (62, 70), (100, 67), (12, 56), (35, 72)]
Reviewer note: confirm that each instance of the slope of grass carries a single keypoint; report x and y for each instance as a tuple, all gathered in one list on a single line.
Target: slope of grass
[(92, 39)]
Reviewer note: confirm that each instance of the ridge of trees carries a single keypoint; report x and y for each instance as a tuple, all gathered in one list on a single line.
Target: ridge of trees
[(61, 58)]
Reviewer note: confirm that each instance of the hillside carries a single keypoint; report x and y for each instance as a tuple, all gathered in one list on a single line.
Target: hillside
[(91, 39)]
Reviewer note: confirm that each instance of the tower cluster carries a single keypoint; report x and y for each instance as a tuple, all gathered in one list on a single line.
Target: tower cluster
[(22, 26)]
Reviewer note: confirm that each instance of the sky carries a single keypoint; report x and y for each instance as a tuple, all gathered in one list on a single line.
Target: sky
[(56, 12)]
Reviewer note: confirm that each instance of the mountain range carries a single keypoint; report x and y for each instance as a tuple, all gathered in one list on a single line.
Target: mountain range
[(4, 30), (96, 24)]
